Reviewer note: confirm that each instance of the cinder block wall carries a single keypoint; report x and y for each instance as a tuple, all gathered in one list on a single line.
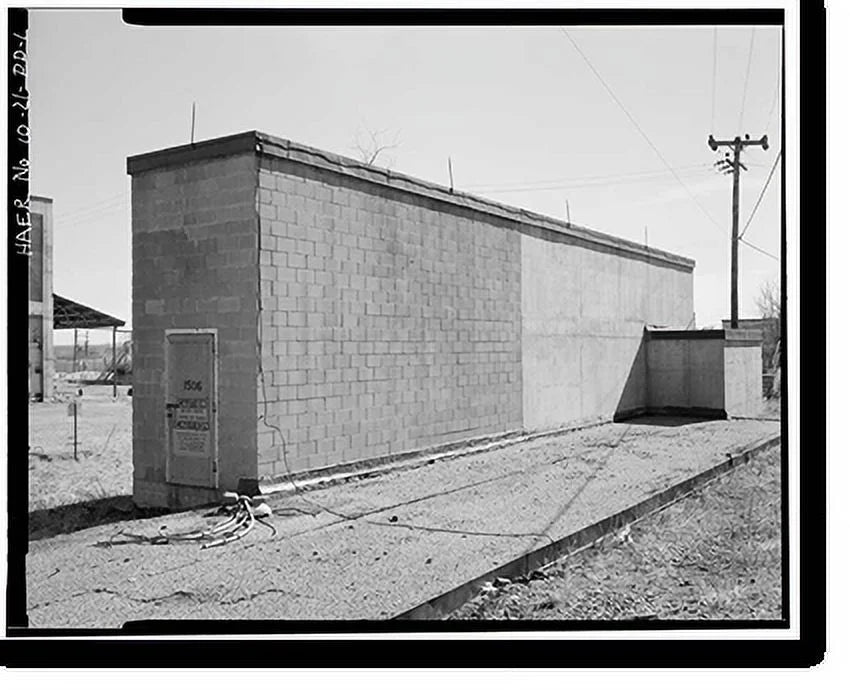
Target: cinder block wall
[(391, 322), (194, 266)]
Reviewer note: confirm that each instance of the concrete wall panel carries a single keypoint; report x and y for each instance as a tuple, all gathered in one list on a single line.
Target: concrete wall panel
[(685, 372), (583, 314), (705, 374), (743, 384)]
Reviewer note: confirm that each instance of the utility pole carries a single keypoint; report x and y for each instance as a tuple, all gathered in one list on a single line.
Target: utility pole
[(734, 167)]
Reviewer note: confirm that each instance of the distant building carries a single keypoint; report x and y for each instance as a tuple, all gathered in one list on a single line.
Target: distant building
[(41, 299), (769, 329)]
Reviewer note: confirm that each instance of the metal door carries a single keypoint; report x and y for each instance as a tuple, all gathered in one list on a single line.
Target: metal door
[(191, 408)]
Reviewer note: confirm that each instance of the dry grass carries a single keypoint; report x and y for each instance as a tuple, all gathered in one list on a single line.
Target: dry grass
[(67, 494), (714, 555)]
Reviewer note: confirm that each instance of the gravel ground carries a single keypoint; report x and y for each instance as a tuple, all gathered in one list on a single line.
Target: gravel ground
[(714, 555), (375, 548)]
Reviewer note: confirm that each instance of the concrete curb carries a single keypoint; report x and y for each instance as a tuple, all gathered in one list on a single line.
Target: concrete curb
[(365, 469), (443, 604)]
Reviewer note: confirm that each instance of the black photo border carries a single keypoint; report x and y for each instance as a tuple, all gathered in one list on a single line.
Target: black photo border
[(78, 648)]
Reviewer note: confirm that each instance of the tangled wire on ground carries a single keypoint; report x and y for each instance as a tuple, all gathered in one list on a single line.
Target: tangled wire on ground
[(243, 514)]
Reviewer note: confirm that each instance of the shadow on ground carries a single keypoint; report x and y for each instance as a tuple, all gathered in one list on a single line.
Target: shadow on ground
[(659, 420), (73, 517)]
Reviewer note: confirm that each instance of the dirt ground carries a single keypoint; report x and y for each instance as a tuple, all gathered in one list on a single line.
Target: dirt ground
[(104, 465), (714, 555), (67, 494)]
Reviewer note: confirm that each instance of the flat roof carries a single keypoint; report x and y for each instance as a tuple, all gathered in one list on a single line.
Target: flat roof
[(262, 144)]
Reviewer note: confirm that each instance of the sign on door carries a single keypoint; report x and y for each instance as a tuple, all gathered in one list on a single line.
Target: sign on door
[(191, 409)]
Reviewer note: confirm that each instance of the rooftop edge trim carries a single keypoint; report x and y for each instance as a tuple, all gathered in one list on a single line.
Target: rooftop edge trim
[(729, 334), (284, 149)]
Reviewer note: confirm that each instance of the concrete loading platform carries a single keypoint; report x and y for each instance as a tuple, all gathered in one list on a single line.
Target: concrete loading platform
[(410, 543)]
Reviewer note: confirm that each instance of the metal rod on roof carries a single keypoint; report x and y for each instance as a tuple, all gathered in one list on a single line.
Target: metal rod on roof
[(451, 177), (193, 123)]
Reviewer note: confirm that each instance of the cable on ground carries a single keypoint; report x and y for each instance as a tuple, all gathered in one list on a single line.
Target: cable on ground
[(243, 513)]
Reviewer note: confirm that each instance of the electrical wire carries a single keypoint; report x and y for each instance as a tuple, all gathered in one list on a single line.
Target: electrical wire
[(758, 249), (640, 130), (747, 77), (92, 209), (776, 92), (579, 182), (652, 146), (761, 194), (121, 208)]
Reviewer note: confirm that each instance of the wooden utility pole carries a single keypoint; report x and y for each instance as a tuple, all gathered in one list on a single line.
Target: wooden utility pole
[(734, 167)]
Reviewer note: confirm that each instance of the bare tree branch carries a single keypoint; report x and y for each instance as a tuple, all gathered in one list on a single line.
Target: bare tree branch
[(769, 302), (368, 151)]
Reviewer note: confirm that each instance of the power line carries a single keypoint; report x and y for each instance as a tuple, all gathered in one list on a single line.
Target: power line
[(579, 182), (638, 128), (747, 77), (775, 100), (583, 178), (120, 208), (599, 183), (761, 194), (759, 249), (93, 209)]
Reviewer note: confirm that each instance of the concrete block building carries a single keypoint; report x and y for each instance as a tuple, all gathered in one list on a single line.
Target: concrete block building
[(41, 299), (295, 311)]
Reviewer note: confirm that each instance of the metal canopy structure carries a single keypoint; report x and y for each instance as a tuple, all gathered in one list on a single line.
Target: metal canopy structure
[(68, 314)]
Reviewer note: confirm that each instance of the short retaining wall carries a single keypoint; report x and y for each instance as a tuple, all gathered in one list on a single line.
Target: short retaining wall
[(709, 373)]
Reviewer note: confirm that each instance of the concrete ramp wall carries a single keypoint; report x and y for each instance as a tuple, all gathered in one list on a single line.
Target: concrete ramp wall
[(712, 372)]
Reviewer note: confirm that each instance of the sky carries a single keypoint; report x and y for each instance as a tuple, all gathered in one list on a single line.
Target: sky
[(522, 114)]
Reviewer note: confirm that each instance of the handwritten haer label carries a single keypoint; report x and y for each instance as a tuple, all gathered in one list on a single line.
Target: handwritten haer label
[(19, 111)]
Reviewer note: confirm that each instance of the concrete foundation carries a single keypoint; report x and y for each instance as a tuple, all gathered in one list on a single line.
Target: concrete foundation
[(357, 313)]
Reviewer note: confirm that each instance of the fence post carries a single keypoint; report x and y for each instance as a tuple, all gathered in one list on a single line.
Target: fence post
[(114, 369)]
